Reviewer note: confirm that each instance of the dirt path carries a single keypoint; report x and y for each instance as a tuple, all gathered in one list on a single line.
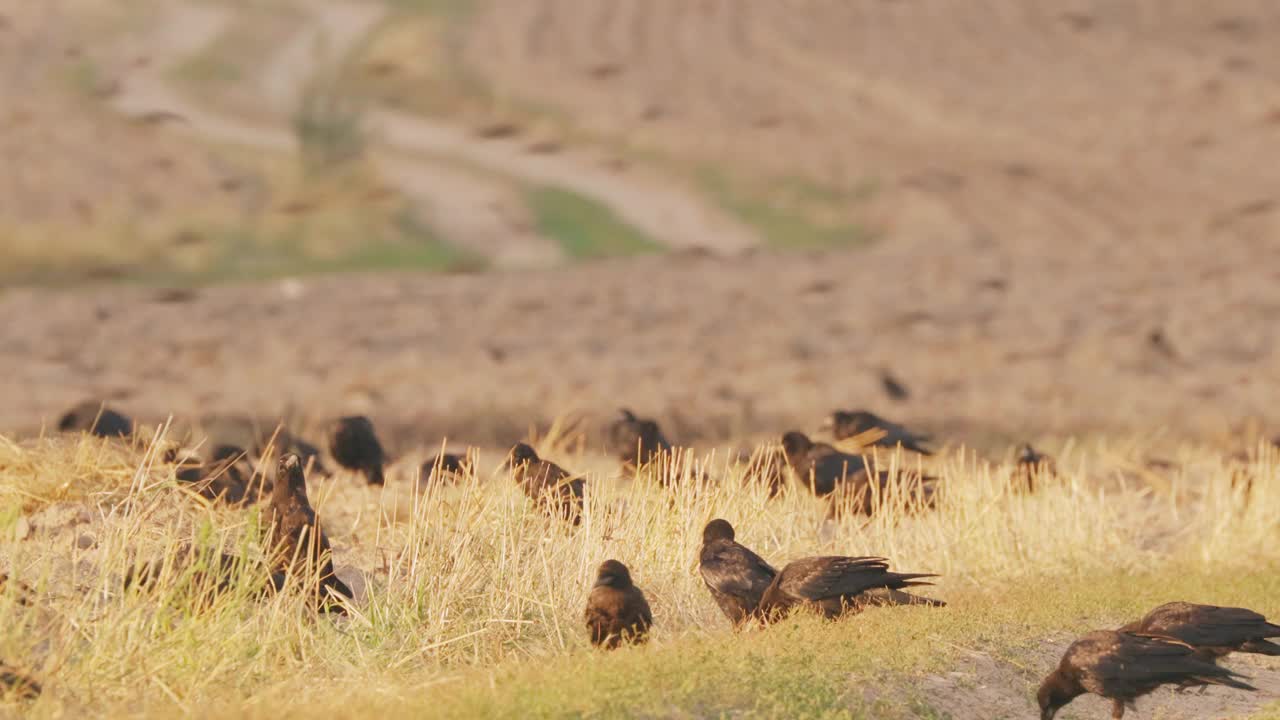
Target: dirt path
[(426, 160)]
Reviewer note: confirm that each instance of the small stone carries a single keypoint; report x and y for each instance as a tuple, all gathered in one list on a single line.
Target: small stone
[(84, 542), (22, 529)]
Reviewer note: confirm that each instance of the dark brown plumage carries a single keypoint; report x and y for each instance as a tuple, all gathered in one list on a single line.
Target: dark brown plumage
[(617, 610), (849, 423), (355, 446), (209, 572), (451, 466), (281, 441), (227, 476), (1213, 631), (1122, 667), (836, 586), (558, 493), (819, 466), (736, 577), (95, 418), (1033, 467), (895, 388), (299, 547), (17, 684), (846, 480), (639, 441)]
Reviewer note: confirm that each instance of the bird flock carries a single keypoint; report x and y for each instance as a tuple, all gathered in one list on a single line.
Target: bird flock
[(1176, 644)]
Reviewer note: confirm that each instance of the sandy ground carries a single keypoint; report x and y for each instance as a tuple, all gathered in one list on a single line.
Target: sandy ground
[(456, 179)]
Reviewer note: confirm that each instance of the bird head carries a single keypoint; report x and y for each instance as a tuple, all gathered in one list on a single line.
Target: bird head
[(522, 454), (794, 443), (626, 415), (613, 574), (289, 474), (717, 529), (1054, 693)]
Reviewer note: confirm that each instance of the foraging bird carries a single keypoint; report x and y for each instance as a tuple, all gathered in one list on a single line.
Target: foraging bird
[(1213, 631), (210, 572), (17, 684), (617, 610), (227, 476), (736, 576), (818, 465), (846, 479), (836, 586), (1031, 465), (893, 386), (96, 418), (849, 423), (639, 441), (547, 484), (1122, 667), (355, 446), (448, 465), (297, 541)]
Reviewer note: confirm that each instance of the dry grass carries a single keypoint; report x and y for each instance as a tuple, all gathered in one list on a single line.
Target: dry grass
[(460, 587)]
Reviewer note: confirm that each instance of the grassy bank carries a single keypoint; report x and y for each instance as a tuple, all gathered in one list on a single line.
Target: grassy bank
[(469, 600)]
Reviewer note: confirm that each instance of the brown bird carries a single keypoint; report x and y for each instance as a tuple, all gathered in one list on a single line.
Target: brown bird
[(849, 423), (893, 386), (550, 486), (1213, 631), (16, 684), (736, 577), (227, 476), (209, 572), (95, 418), (836, 586), (1032, 466), (355, 446), (639, 441), (1122, 667), (453, 466), (617, 611), (825, 470), (299, 546), (818, 465), (281, 441)]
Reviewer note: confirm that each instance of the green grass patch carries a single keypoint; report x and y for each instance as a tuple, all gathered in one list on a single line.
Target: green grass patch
[(791, 212), (584, 227)]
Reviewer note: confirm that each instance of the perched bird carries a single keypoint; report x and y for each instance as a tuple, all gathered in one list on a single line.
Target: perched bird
[(617, 611), (95, 418), (1122, 667), (550, 486), (849, 423), (1213, 631), (17, 684), (227, 476), (355, 446), (639, 441), (736, 577), (1032, 466), (893, 386), (208, 571), (298, 544), (836, 586)]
